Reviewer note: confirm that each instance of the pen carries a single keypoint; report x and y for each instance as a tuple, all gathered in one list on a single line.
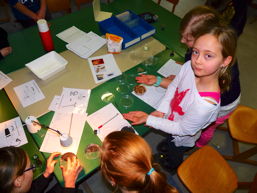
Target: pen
[(47, 127), (108, 121)]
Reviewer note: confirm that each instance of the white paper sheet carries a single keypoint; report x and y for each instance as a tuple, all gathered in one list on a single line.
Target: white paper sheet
[(4, 80), (103, 67), (169, 68), (72, 100), (107, 116), (72, 124), (12, 133), (71, 34), (86, 45), (152, 96), (29, 93)]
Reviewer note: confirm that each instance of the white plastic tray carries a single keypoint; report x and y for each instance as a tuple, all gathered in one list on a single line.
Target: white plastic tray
[(47, 65)]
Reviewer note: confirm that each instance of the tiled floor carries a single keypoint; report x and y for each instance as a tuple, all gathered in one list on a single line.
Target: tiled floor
[(247, 57)]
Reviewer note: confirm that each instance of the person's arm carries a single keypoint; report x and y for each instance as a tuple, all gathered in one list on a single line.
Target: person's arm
[(42, 11), (5, 51), (151, 80), (193, 120), (23, 9), (71, 171)]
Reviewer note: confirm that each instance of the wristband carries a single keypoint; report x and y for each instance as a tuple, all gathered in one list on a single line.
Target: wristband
[(158, 82)]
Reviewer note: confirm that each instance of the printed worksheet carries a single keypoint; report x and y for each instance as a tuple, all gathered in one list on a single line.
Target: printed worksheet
[(152, 96), (170, 68), (4, 80), (72, 100), (71, 124), (103, 67), (107, 120), (12, 133), (29, 93), (86, 45), (71, 34)]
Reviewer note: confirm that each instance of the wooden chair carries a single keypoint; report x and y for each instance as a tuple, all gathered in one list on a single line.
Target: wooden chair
[(174, 2), (242, 126), (79, 2), (4, 7), (207, 171), (54, 6)]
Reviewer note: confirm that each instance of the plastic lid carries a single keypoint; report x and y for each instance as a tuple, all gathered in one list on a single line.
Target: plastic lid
[(42, 25)]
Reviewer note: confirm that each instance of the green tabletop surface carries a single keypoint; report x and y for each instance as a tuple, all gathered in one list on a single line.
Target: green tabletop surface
[(27, 47), (7, 112), (96, 102)]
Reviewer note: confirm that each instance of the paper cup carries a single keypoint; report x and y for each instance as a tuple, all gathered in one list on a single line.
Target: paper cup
[(65, 140), (42, 25), (32, 127)]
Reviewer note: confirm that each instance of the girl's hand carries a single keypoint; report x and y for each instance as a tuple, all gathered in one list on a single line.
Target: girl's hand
[(137, 117), (146, 79), (50, 164), (171, 77), (6, 51), (71, 172), (157, 114)]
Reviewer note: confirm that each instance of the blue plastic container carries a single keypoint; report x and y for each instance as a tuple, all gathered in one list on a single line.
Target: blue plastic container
[(128, 25)]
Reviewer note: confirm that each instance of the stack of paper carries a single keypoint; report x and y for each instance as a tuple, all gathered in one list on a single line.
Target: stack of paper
[(81, 43), (69, 118), (72, 100)]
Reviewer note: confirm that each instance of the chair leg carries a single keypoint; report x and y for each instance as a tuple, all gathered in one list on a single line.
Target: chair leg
[(244, 185), (242, 157), (253, 188), (173, 9)]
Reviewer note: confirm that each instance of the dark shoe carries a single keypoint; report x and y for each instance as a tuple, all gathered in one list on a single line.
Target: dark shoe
[(163, 147), (164, 162)]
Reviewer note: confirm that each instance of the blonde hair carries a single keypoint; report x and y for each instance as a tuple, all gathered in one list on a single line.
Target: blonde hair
[(126, 158), (198, 19), (227, 38)]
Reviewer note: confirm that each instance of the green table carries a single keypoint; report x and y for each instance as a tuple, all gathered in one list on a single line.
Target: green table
[(27, 46), (96, 103), (8, 112), (167, 26)]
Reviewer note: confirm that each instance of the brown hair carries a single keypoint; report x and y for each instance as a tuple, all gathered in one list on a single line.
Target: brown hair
[(13, 161), (227, 38), (126, 158), (199, 18)]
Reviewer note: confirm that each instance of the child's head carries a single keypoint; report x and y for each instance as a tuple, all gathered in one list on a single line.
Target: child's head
[(125, 161), (197, 20), (13, 175), (214, 53)]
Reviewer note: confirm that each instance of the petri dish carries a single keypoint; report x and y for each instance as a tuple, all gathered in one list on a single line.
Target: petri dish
[(131, 80), (126, 101), (122, 88), (92, 151), (108, 97)]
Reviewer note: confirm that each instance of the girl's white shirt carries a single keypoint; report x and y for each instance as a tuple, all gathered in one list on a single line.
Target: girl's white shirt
[(198, 113)]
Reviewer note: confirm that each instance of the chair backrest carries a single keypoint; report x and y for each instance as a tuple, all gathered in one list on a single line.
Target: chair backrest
[(174, 2), (206, 171), (243, 124), (58, 6), (79, 2)]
